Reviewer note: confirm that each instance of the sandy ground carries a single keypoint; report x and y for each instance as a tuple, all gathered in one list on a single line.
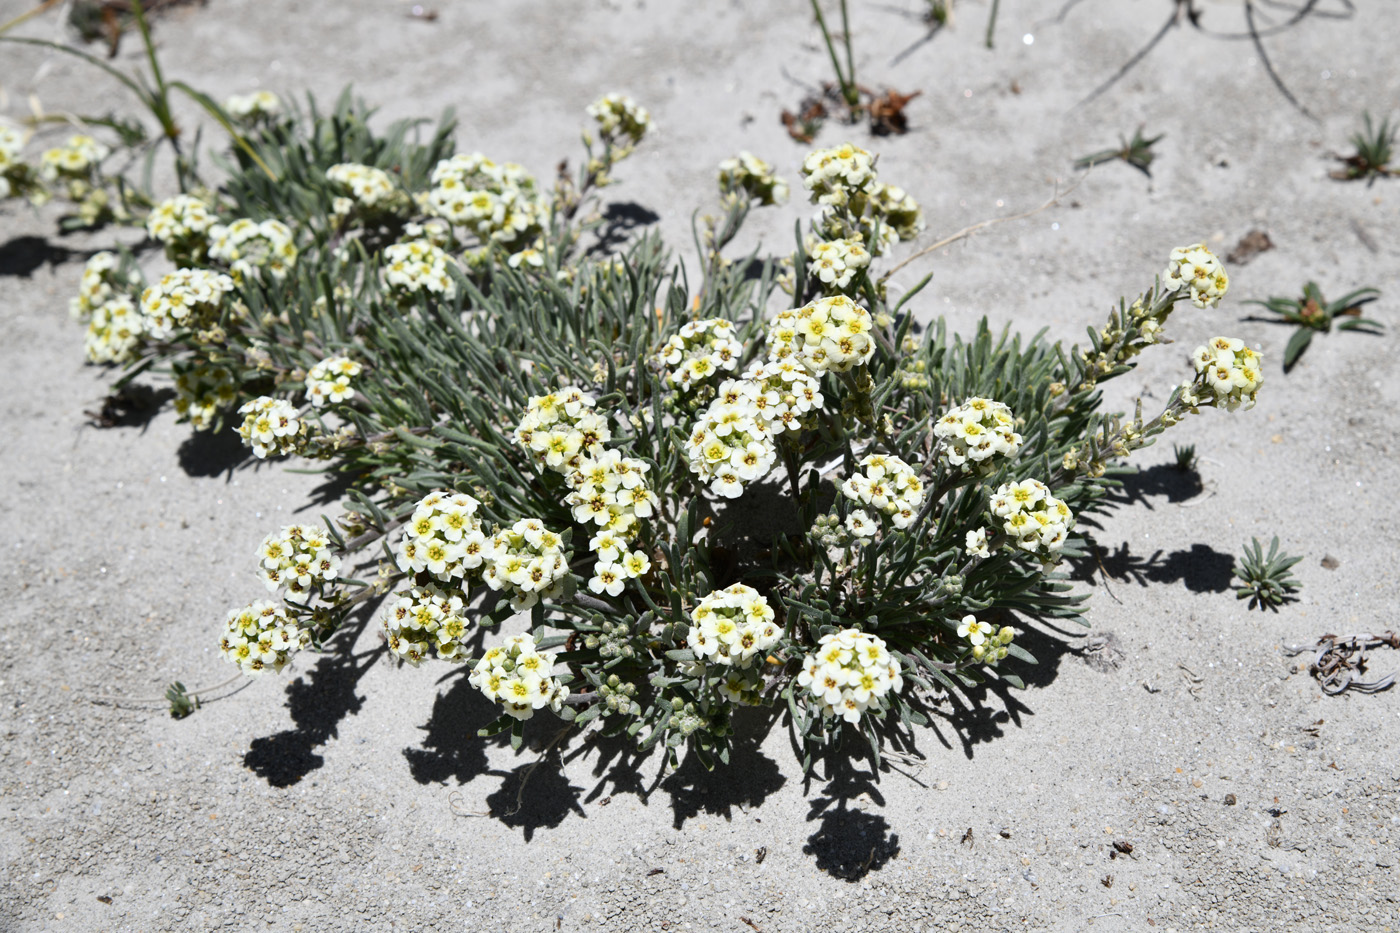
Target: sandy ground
[(354, 796)]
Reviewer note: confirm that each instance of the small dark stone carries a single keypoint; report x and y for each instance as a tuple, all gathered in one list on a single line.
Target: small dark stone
[(1230, 800), (1330, 562)]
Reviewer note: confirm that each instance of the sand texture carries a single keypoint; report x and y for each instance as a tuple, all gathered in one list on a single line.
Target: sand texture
[(347, 794)]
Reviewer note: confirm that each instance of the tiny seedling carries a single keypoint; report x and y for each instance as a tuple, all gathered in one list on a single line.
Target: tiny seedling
[(1137, 152), (1185, 457), (182, 703), (1313, 314), (1375, 147), (1266, 581), (846, 78)]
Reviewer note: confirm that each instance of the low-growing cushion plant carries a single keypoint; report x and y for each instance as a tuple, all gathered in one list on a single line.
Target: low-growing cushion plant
[(614, 487)]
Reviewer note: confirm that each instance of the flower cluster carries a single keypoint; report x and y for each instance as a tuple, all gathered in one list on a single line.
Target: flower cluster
[(854, 204), (699, 350), (1036, 521), (427, 621), (834, 263), (978, 435), (829, 335), (1195, 269), (730, 443), (834, 175), (181, 225), (888, 485), (519, 676), (746, 177), (246, 246), (988, 643), (328, 382), (17, 177), (260, 636), (370, 189), (1230, 372), (271, 426), (782, 392), (185, 298), (251, 109), (201, 391), (443, 537), (610, 491), (527, 561), (114, 331), (417, 267), (561, 427), (298, 557), (74, 161), (501, 204), (732, 626), (850, 672), (101, 282), (620, 119)]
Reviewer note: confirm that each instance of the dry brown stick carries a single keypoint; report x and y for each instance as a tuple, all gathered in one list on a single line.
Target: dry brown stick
[(991, 222)]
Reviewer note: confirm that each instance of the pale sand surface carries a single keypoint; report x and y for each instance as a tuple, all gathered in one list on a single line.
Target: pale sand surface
[(343, 796)]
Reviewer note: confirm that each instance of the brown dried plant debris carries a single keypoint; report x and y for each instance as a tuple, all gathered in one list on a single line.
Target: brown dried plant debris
[(885, 111), (1250, 245), (1337, 659)]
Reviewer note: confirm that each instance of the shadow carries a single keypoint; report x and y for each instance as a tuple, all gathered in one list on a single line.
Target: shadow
[(318, 701), (849, 843), (620, 220), (745, 782), (1202, 569), (205, 453), (20, 256), (333, 490), (132, 406), (547, 800), (1164, 479), (451, 749)]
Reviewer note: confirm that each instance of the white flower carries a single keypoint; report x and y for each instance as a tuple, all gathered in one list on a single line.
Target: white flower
[(261, 636), (251, 109), (1229, 375), (849, 673), (443, 537), (328, 382), (700, 349), (1195, 269), (371, 189), (114, 331), (620, 119), (527, 561), (298, 558), (888, 485), (829, 335), (1036, 521), (731, 627), (180, 224), (271, 426), (747, 177), (730, 443), (520, 677), (427, 621), (248, 247), (976, 543), (184, 299), (418, 267), (978, 436), (498, 202)]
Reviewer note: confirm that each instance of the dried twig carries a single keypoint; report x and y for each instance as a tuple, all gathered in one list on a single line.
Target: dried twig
[(991, 222)]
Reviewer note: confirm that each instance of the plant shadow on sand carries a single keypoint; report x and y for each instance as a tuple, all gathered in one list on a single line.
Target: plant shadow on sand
[(318, 701), (538, 794), (849, 843), (21, 256)]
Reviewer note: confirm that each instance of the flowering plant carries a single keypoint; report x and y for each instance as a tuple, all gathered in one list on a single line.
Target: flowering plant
[(771, 489)]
